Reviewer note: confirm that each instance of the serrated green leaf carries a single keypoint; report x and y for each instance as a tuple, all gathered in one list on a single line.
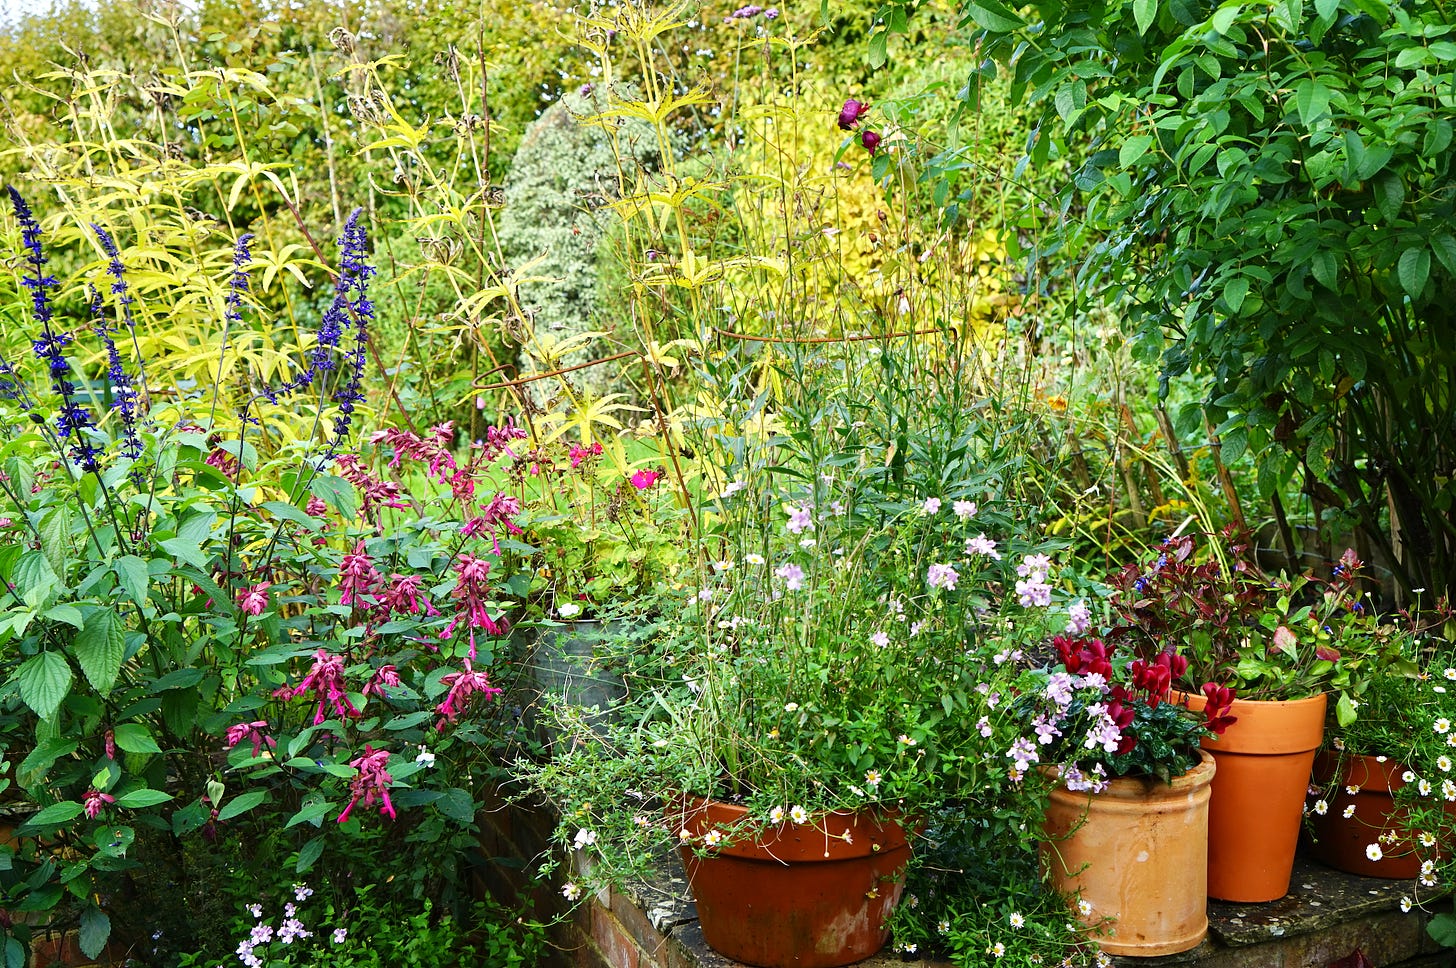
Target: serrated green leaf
[(140, 799), (1235, 442), (44, 681), (242, 804), (131, 575), (457, 805), (100, 647), (135, 738), (337, 493), (55, 815), (95, 929), (34, 578)]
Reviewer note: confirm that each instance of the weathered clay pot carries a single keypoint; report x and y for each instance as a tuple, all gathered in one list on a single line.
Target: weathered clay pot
[(1138, 853), (813, 895), (1340, 841), (1254, 817)]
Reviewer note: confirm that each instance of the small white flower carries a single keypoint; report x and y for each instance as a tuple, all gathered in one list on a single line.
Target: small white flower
[(1451, 674), (1448, 790), (1428, 867), (568, 609), (1429, 880), (880, 638), (964, 509), (733, 488), (1016, 920), (1374, 852), (572, 892), (807, 543), (1424, 787), (906, 740), (798, 814), (1443, 763), (1427, 839), (641, 821), (942, 927), (790, 707), (585, 838), (1442, 725), (1405, 904), (713, 838), (1349, 811), (426, 758), (1084, 907), (776, 815), (872, 778), (753, 558), (722, 566), (998, 950), (1321, 807), (685, 834)]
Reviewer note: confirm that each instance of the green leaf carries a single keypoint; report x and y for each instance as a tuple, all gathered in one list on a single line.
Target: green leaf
[(309, 854), (1389, 193), (95, 929), (1327, 8), (1234, 293), (242, 804), (43, 757), (1144, 12), (1413, 269), (311, 813), (143, 798), (1134, 148), (878, 52), (14, 953), (993, 15), (55, 815), (34, 578), (288, 512), (1235, 442), (100, 647), (177, 679), (1445, 248), (1326, 269), (135, 738), (338, 493), (131, 574), (1443, 929), (44, 681), (1312, 99), (185, 551), (1345, 710), (457, 805)]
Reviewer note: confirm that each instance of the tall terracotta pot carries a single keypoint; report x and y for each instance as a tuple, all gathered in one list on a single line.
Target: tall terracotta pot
[(1341, 841), (1264, 761), (1138, 853), (814, 895)]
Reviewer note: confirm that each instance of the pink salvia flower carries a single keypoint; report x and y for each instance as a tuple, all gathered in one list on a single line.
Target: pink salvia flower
[(462, 685), (252, 601), (404, 596), (472, 590), (110, 741), (326, 681), (371, 782), (357, 577), (96, 802), (500, 510), (250, 731), (384, 676), (316, 506)]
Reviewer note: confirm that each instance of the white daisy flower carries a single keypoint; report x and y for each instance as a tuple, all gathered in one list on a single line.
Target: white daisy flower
[(798, 814), (1374, 852)]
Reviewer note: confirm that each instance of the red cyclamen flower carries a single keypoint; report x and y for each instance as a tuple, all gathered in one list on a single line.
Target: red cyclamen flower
[(326, 681), (253, 600), (462, 685), (250, 731), (1220, 701), (371, 782)]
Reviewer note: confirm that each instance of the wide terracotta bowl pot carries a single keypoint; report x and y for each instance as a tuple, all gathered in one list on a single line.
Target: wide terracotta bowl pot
[(1341, 841), (812, 895), (1138, 855), (1257, 808)]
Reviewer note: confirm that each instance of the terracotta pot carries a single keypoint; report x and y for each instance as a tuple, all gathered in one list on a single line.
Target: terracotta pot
[(1255, 814), (1340, 841), (1138, 853), (814, 895)]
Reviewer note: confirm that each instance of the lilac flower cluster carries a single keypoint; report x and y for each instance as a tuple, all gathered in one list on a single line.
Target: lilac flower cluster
[(751, 11), (72, 419)]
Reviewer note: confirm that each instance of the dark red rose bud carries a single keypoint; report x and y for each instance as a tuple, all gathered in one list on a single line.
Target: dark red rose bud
[(850, 114), (870, 140)]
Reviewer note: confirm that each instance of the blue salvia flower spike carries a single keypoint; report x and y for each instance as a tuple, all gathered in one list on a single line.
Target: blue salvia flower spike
[(125, 400), (72, 419)]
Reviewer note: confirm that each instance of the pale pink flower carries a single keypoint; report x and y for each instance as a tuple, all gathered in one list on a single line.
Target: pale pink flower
[(982, 545), (931, 506), (965, 510), (801, 519), (942, 576), (792, 575)]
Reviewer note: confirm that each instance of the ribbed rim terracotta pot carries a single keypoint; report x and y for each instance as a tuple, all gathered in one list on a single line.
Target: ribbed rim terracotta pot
[(1264, 761), (1138, 853), (1341, 841), (812, 895)]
